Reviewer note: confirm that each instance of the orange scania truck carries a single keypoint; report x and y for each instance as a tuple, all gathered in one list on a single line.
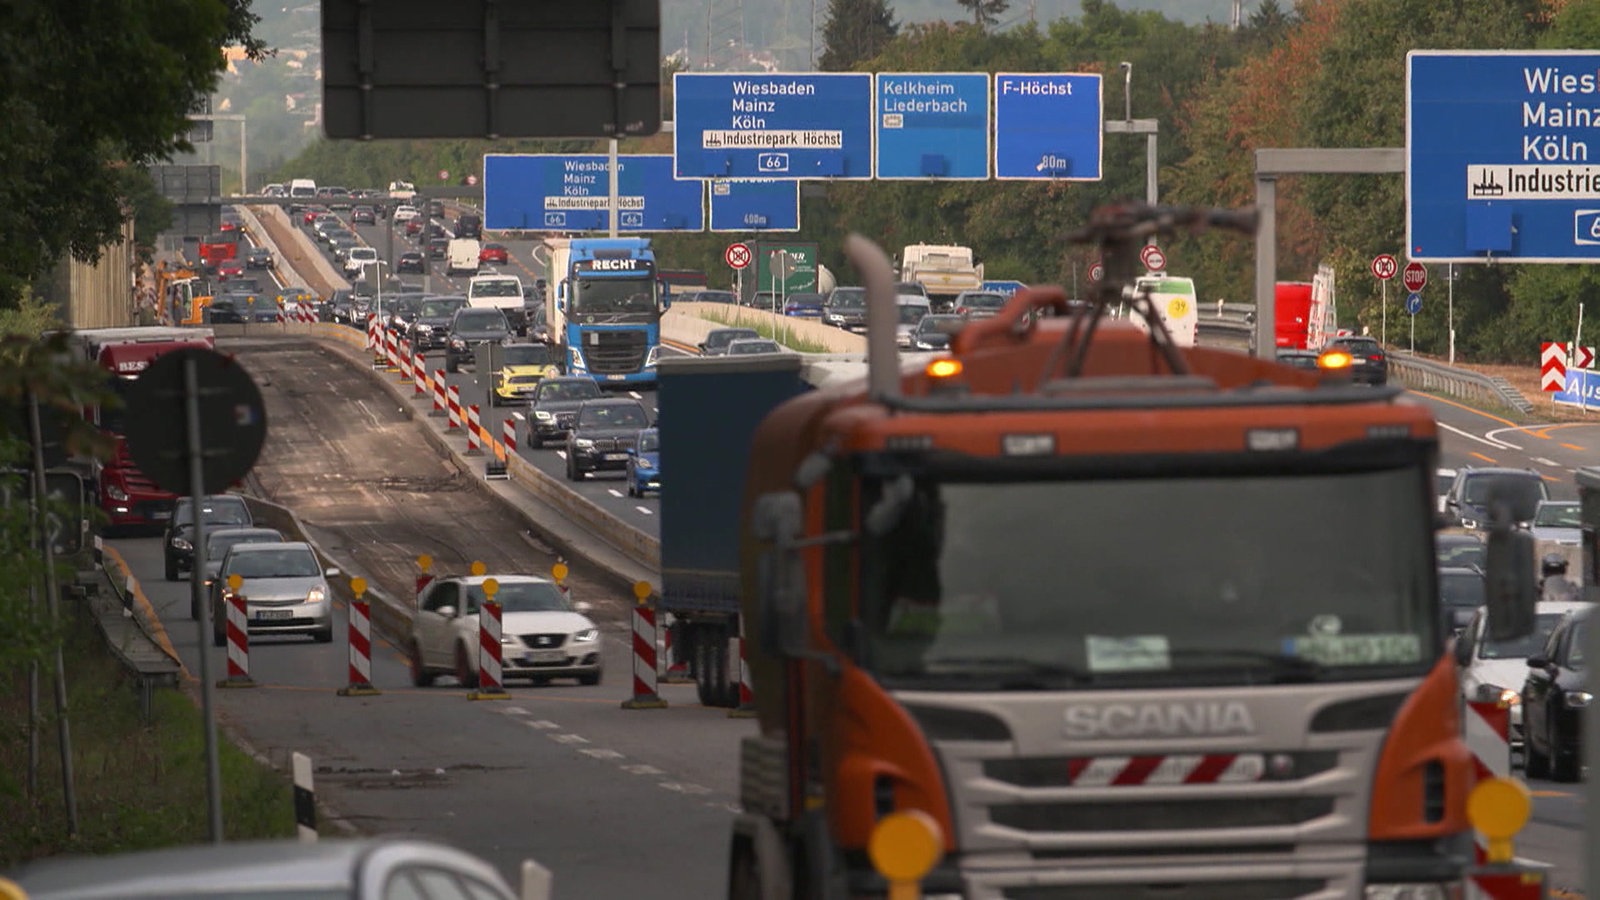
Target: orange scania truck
[(1108, 617)]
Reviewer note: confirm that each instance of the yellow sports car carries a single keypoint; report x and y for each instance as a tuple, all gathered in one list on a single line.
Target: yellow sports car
[(522, 366)]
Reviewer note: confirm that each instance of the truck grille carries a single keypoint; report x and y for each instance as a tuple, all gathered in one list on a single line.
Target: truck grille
[(615, 352), (1091, 818), (1266, 889)]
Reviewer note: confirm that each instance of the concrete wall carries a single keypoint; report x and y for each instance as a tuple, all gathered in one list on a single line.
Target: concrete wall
[(98, 294), (688, 323)]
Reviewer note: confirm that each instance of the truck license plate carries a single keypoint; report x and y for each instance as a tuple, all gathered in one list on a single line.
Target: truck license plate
[(616, 377), (274, 614)]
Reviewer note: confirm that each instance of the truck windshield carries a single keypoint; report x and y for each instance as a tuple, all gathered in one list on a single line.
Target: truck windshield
[(615, 300), (1191, 580)]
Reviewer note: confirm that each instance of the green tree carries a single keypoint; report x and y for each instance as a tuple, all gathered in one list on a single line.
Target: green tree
[(84, 88), (985, 12), (855, 30)]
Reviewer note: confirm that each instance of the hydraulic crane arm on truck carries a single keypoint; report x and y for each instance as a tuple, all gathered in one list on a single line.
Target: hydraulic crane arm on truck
[(1052, 595)]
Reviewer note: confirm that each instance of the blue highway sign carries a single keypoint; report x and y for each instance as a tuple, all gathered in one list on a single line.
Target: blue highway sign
[(1048, 127), (1503, 155), (551, 192), (782, 126), (933, 125), (755, 205), (1413, 304), (1003, 287)]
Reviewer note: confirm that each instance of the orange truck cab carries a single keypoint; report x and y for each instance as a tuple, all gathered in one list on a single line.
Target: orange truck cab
[(1053, 595)]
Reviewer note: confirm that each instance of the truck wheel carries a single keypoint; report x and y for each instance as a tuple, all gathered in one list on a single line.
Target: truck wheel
[(744, 881)]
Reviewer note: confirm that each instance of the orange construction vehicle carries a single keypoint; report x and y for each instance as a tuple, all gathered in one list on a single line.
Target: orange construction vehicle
[(184, 295), (1042, 617)]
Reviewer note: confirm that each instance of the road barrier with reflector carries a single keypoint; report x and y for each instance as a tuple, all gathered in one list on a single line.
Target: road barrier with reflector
[(360, 641), (491, 664), (1499, 808), (237, 637), (645, 693)]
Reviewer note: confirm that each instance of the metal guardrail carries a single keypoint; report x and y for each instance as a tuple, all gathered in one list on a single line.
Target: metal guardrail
[(1426, 375)]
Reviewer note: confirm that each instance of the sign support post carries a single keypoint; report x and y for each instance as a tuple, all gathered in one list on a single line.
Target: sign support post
[(611, 175)]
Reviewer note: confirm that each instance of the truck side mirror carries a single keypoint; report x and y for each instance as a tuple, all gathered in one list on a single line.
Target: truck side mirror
[(1512, 582), (776, 521)]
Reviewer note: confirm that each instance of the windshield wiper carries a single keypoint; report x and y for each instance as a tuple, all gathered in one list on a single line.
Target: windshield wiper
[(1025, 674), (1285, 667)]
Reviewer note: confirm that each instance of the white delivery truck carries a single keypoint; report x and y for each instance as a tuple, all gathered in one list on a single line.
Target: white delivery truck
[(461, 257), (1176, 303)]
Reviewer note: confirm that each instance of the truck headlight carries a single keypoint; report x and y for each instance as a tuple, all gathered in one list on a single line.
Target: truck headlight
[(651, 357), (586, 635), (577, 363)]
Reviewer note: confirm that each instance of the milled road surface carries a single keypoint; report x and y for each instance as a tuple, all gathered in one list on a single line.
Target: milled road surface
[(618, 803)]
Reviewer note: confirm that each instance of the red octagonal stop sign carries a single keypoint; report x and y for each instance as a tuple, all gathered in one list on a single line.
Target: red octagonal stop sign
[(1415, 277)]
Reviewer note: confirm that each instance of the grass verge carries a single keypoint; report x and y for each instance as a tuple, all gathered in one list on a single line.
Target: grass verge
[(138, 786), (786, 336)]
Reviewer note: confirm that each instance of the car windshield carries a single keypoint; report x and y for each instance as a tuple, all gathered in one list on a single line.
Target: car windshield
[(214, 512), (1462, 590), (1360, 347), (521, 596), (983, 301), (1523, 647), (569, 390), (747, 347), (525, 355), (848, 298), (296, 563), (498, 287), (1528, 489), (613, 415), (649, 442), (218, 544), (955, 596), (524, 379), (727, 336), (941, 324), (1558, 515), (1461, 551), (716, 297), (615, 300), (912, 313), (1444, 481), (440, 309), (480, 320)]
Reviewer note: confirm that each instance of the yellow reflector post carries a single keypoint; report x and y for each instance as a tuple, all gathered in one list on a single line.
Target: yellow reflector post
[(904, 846), (1498, 808), (10, 890), (642, 590), (1335, 359), (944, 368)]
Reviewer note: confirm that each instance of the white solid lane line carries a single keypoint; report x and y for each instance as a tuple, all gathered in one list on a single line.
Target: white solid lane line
[(1498, 445)]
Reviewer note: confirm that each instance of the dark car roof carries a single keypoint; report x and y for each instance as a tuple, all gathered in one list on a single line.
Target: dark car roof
[(612, 401)]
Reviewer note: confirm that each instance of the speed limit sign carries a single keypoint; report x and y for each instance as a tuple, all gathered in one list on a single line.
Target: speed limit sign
[(1097, 270)]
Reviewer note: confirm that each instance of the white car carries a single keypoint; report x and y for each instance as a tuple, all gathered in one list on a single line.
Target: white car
[(543, 634), (1446, 477), (404, 213), (1558, 522), (1495, 670), (356, 261)]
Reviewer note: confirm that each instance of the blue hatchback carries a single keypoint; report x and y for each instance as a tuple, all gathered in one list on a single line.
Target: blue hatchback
[(644, 464)]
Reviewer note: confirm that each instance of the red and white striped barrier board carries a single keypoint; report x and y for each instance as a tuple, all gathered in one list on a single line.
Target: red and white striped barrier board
[(360, 651), (403, 354), (419, 375), (508, 436), (490, 664), (439, 403), (645, 694), (474, 432), (238, 631), (453, 401), (746, 706), (1486, 729), (1166, 769), (1520, 883), (374, 333), (1552, 366)]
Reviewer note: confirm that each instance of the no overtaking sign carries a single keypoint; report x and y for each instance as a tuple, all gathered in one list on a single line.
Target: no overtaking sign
[(737, 256)]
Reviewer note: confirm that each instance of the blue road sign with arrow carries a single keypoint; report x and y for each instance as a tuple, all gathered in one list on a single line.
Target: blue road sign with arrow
[(1048, 126), (1413, 304)]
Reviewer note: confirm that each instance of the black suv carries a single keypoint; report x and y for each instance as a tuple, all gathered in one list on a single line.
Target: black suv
[(430, 330), (602, 434), (1469, 496), (471, 327), (469, 225), (1368, 363), (554, 404), (219, 510)]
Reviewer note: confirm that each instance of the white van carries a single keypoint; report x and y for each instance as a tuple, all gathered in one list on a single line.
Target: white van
[(358, 259), (303, 187), (461, 258), (1177, 304)]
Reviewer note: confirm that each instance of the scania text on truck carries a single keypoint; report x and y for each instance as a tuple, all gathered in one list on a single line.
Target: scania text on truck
[(1052, 594), (128, 497), (607, 306)]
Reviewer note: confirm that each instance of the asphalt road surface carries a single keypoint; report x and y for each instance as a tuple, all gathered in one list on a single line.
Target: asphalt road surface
[(617, 802)]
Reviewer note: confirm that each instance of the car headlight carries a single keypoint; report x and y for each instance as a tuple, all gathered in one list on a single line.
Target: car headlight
[(585, 636), (543, 416), (833, 320), (179, 543), (1408, 891), (316, 595), (457, 344), (1576, 699), (583, 443), (116, 493), (424, 329), (1469, 523), (507, 640), (644, 465), (1494, 693)]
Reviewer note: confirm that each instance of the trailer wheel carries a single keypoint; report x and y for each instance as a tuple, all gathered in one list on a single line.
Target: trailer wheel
[(744, 881), (699, 648)]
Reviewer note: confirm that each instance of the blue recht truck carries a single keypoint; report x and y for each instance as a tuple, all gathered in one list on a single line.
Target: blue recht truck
[(606, 314)]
